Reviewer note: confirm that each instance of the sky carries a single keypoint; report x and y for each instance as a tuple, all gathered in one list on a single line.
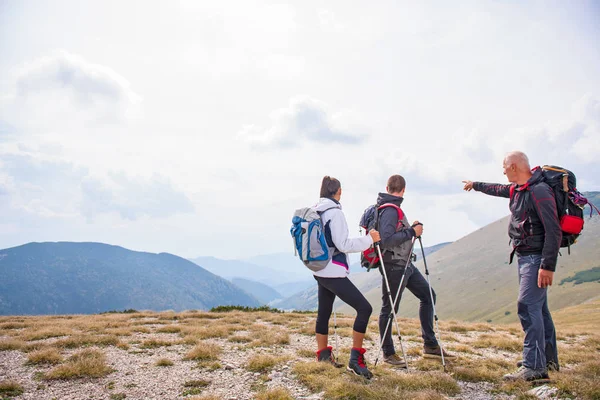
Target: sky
[(198, 127)]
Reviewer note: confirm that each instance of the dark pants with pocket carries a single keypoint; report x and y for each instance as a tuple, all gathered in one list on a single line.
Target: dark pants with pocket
[(417, 285), (539, 346)]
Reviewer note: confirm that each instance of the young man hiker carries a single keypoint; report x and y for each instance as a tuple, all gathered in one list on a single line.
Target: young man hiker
[(535, 233), (396, 245)]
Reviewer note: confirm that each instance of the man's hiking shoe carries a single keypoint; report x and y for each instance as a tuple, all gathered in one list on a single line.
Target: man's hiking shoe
[(528, 374), (357, 363), (394, 359), (326, 355), (550, 365), (436, 352)]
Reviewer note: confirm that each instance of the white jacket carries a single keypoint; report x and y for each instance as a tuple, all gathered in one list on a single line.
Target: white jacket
[(339, 235)]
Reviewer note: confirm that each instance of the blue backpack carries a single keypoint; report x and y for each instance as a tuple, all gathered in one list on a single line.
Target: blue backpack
[(310, 244)]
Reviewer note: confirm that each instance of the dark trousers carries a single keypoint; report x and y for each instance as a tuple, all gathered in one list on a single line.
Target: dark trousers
[(539, 346), (417, 285), (343, 288)]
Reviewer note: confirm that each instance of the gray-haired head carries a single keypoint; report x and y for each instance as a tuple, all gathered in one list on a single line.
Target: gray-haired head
[(519, 160)]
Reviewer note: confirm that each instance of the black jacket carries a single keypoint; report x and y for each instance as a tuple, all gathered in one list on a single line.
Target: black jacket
[(534, 227), (395, 242)]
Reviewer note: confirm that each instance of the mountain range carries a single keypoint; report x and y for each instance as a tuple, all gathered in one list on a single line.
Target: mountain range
[(471, 277), (82, 278)]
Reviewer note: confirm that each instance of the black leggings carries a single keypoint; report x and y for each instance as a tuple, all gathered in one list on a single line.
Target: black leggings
[(349, 294)]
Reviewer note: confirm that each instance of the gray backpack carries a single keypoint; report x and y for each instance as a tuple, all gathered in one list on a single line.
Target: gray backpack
[(310, 244)]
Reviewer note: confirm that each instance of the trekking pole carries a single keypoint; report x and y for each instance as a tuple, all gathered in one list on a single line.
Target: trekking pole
[(435, 317), (335, 330), (393, 305)]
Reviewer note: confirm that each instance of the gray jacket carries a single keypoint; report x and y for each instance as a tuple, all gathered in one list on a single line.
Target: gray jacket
[(396, 238)]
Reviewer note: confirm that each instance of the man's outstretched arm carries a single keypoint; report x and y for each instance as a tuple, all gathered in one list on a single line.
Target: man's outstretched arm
[(493, 189)]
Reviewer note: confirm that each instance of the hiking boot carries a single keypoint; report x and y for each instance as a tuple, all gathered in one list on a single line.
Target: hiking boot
[(357, 363), (550, 365), (527, 374), (436, 352), (394, 359), (326, 355)]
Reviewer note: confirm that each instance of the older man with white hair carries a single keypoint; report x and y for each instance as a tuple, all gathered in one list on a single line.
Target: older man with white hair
[(535, 234)]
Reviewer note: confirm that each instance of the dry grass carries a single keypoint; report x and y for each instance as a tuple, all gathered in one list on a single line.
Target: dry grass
[(204, 351), (77, 341), (208, 332), (336, 385), (268, 336), (460, 348), (263, 363), (454, 326), (583, 381), (13, 325), (498, 341), (307, 329), (578, 377), (119, 331), (481, 370), (11, 344), (307, 353), (206, 397), (240, 338), (169, 329), (49, 355), (140, 329), (572, 354), (274, 394), (163, 362), (9, 389), (46, 333), (194, 387), (87, 363), (155, 343)]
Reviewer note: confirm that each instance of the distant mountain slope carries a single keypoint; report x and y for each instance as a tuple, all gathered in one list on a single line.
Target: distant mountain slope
[(230, 269), (287, 289), (264, 293), (283, 262), (72, 278), (430, 250), (474, 281)]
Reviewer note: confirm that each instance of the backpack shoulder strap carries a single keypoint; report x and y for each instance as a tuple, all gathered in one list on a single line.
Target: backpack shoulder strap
[(327, 209), (398, 209)]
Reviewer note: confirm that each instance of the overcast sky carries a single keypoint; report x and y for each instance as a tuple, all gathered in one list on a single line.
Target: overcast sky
[(197, 127)]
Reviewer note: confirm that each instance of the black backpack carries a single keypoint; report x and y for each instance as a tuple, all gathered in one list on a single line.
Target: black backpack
[(569, 202)]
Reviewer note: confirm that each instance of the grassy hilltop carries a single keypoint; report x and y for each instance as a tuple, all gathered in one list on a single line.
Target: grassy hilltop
[(269, 355)]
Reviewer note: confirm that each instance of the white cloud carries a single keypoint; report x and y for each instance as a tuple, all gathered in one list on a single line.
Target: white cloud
[(88, 82), (52, 188), (64, 90), (304, 120), (437, 93), (133, 198), (329, 21)]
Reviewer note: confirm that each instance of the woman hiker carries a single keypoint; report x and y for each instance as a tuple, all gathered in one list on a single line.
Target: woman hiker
[(333, 279)]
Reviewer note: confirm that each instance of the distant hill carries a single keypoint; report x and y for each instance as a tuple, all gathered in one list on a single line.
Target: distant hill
[(430, 250), (264, 293), (245, 269), (283, 262), (474, 281), (287, 289), (74, 278)]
